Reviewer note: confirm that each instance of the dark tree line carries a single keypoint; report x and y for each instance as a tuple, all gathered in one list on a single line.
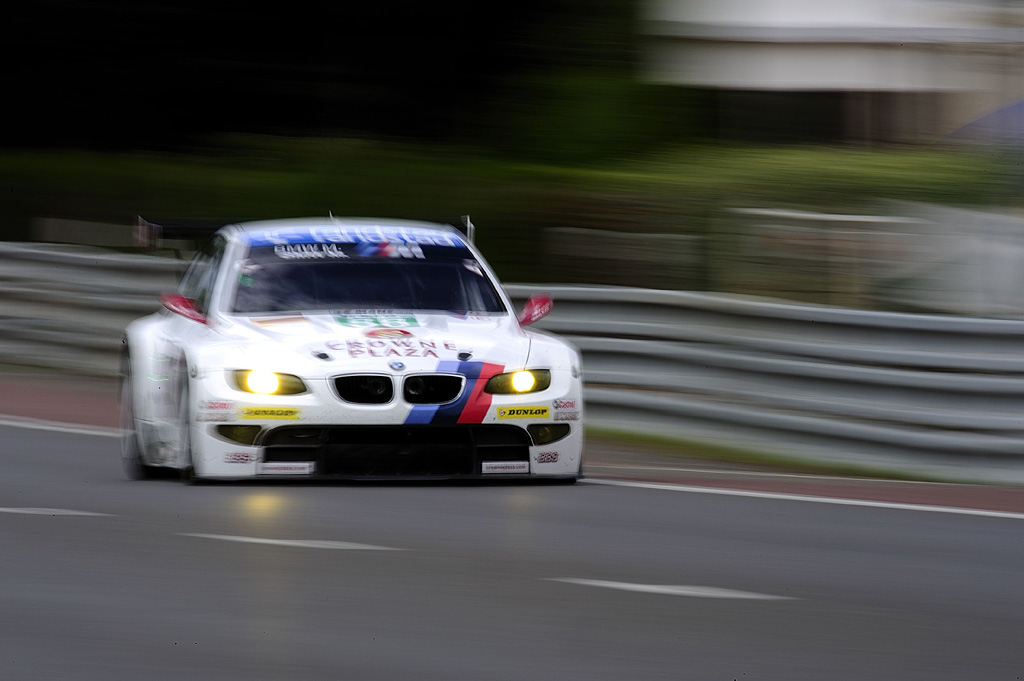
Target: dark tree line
[(111, 74)]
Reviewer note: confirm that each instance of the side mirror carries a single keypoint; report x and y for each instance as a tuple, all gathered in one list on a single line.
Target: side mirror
[(179, 304), (536, 308)]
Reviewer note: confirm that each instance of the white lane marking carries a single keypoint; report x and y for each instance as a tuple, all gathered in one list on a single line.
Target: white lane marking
[(807, 497), (49, 511), (300, 543), (58, 427), (672, 590), (756, 474)]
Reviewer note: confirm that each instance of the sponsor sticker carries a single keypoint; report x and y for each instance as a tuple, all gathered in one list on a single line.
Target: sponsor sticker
[(505, 467), (216, 410), (383, 321), (392, 347), (214, 416), (547, 457), (387, 333), (239, 457), (308, 251), (539, 412), (565, 404), (390, 250), (218, 405), (363, 312), (286, 468), (567, 416), (285, 413)]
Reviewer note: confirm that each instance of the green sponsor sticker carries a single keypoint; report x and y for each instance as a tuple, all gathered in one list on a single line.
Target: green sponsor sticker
[(376, 321)]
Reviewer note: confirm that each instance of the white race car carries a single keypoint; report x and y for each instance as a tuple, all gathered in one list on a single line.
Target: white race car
[(347, 348)]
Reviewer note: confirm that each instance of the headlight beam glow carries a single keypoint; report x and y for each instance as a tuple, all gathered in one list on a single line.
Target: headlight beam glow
[(523, 381), (519, 382), (262, 382)]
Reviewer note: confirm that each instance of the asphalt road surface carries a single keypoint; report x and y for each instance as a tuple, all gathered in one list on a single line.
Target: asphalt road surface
[(105, 578)]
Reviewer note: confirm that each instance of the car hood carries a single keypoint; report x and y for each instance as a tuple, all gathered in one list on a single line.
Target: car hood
[(325, 344)]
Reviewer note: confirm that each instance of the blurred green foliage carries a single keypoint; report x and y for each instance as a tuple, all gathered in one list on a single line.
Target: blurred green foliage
[(683, 190), (539, 121)]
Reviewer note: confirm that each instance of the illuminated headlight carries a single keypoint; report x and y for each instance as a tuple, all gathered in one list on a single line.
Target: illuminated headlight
[(517, 382), (267, 382)]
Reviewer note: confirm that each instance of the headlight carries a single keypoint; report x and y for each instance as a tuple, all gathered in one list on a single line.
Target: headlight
[(518, 382), (267, 382)]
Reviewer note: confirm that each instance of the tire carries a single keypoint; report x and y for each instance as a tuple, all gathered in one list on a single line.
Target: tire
[(132, 462), (188, 469)]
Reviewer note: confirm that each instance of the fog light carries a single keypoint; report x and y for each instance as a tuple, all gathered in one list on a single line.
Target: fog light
[(544, 433), (243, 435)]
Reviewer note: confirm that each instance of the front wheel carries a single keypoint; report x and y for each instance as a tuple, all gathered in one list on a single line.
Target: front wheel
[(131, 452), (188, 469)]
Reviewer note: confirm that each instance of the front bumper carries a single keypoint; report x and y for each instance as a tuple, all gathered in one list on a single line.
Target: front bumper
[(318, 435)]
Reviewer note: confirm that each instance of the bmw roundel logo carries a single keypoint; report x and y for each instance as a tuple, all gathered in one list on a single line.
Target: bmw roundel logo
[(396, 365)]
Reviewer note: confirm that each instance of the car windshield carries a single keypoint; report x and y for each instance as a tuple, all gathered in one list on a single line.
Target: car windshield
[(299, 277)]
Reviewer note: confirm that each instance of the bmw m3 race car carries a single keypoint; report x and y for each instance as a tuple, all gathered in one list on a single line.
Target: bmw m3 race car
[(348, 348)]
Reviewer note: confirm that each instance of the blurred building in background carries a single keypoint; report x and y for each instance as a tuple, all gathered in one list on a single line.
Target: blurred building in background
[(844, 70)]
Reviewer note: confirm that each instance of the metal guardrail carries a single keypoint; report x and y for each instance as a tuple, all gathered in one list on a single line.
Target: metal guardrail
[(937, 395), (65, 306), (919, 257)]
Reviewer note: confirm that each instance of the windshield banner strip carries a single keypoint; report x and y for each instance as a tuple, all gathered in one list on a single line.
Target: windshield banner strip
[(351, 234)]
